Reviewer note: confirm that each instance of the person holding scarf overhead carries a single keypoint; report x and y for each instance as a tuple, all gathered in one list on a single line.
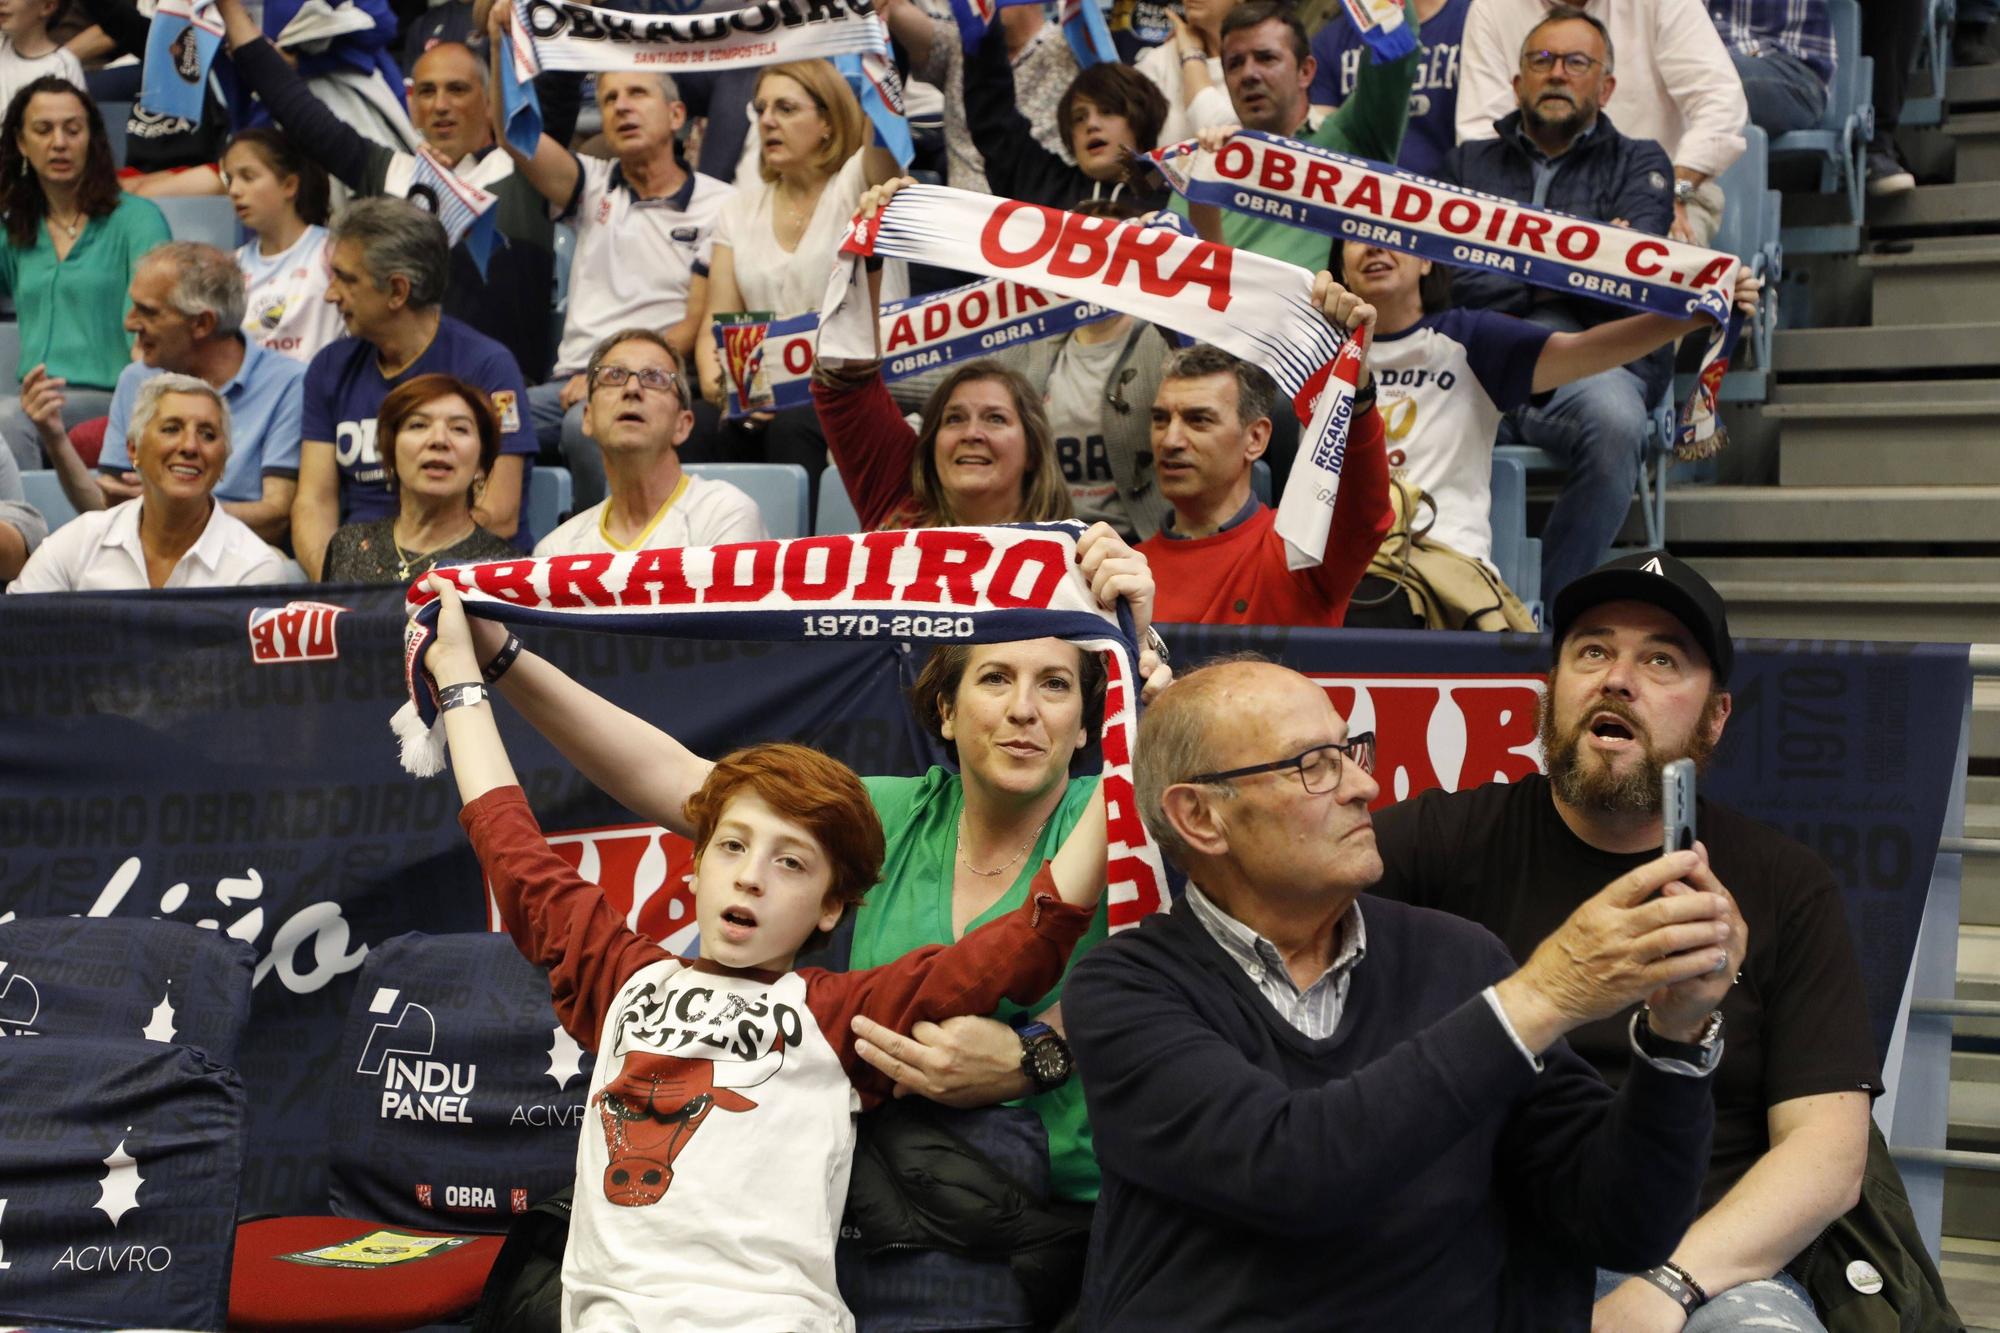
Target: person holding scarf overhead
[(773, 246)]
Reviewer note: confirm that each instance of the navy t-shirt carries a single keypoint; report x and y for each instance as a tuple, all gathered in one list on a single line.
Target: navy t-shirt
[(1433, 92), (344, 391)]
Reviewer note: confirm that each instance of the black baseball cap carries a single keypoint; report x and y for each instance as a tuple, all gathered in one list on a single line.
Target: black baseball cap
[(1668, 583)]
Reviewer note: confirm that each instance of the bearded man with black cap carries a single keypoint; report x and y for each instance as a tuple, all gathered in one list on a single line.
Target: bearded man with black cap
[(1639, 678)]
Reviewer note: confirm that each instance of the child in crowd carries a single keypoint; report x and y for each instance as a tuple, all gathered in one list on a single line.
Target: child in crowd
[(712, 1172), (27, 51), (280, 196)]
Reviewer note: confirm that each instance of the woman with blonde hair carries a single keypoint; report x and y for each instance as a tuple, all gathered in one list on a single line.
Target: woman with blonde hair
[(775, 245)]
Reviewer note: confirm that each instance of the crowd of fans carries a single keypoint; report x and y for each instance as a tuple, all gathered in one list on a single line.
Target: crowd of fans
[(352, 390)]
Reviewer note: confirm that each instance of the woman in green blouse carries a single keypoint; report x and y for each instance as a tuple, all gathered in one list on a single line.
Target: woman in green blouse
[(73, 241)]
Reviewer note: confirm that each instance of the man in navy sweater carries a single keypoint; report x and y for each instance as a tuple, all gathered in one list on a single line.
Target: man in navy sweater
[(1308, 1120)]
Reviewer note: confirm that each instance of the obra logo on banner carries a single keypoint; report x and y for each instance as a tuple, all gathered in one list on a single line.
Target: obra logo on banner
[(294, 632), (1453, 732)]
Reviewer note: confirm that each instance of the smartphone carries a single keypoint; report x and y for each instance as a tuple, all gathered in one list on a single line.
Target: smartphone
[(1677, 806)]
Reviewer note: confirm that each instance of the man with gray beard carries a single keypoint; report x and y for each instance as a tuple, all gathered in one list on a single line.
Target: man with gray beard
[(1639, 678)]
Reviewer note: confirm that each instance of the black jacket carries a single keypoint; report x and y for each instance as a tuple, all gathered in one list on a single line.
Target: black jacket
[(1604, 177)]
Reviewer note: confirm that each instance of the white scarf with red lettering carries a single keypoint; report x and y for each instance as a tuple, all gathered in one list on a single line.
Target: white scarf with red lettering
[(924, 585), (1257, 308)]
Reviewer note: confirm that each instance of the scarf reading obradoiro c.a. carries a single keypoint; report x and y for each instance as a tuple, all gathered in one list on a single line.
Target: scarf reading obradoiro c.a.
[(924, 585), (1352, 198), (1257, 308)]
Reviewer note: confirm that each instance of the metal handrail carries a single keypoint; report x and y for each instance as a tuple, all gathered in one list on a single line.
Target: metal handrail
[(1959, 1157), (1957, 1008)]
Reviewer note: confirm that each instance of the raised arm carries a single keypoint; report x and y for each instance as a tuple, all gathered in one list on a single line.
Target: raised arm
[(1016, 165), (305, 119), (552, 170), (1568, 357), (1370, 123), (1361, 512), (42, 403)]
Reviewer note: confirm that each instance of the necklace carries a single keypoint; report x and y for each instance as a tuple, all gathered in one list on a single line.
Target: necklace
[(410, 563), (1012, 861), (800, 215), (69, 229)]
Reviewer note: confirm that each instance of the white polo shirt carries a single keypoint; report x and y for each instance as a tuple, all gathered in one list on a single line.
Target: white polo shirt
[(700, 512), (635, 258), (100, 552)]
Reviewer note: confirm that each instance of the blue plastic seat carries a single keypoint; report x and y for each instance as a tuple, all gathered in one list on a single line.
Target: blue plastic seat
[(1841, 139), (209, 218), (45, 493), (1516, 555), (10, 355), (1750, 231), (780, 490), (115, 115), (550, 493)]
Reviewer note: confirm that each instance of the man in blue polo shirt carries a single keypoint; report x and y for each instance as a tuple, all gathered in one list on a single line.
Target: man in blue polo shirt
[(388, 262), (187, 318)]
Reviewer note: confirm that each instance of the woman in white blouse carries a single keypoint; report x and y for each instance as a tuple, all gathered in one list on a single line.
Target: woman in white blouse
[(1187, 69), (775, 245)]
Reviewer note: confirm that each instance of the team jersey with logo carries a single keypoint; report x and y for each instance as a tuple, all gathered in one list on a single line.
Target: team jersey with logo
[(635, 258), (1433, 91), (1076, 391), (1442, 386), (287, 310), (719, 1131), (345, 387)]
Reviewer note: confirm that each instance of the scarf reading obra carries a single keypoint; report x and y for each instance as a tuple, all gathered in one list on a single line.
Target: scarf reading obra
[(1257, 308), (926, 585), (564, 35), (770, 363), (1352, 198)]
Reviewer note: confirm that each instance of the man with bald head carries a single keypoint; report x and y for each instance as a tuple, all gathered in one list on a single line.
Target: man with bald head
[(1318, 1116), (510, 300)]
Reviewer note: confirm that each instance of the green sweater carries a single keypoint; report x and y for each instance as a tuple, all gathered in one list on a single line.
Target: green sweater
[(911, 907), (1368, 124), (72, 310)]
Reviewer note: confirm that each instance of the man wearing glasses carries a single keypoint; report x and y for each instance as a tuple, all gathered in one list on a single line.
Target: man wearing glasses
[(636, 410), (1557, 151), (1677, 86), (1313, 1115), (1640, 678)]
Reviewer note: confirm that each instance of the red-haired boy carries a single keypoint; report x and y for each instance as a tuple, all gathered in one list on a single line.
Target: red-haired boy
[(712, 1174)]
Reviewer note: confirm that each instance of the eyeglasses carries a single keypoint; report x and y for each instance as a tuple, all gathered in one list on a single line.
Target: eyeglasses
[(1319, 767), (1575, 63), (652, 377)]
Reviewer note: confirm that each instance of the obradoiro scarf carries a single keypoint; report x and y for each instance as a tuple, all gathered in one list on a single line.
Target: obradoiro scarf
[(925, 585), (1352, 198), (1257, 308)]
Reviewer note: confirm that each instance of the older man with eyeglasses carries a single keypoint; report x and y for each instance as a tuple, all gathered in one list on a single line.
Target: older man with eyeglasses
[(1311, 1115), (636, 409)]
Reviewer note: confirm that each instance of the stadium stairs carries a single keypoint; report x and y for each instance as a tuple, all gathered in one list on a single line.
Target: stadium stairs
[(1862, 501)]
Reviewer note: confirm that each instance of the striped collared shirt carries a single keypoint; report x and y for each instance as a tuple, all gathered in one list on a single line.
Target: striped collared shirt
[(1314, 1011), (1799, 28)]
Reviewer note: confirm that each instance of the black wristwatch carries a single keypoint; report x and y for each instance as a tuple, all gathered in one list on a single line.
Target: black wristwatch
[(1700, 1054), (1045, 1056)]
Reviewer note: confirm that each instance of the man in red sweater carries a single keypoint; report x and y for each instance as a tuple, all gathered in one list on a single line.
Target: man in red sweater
[(1219, 560)]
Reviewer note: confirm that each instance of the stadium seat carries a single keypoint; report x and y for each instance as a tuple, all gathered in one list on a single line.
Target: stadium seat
[(119, 977), (1841, 140), (10, 353), (115, 115), (122, 1170), (780, 490), (210, 219), (1656, 456), (565, 247), (45, 493), (1925, 104), (457, 1101), (1516, 555), (836, 510), (549, 499)]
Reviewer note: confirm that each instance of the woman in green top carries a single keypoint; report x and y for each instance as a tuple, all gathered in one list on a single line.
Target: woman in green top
[(962, 846), (73, 241)]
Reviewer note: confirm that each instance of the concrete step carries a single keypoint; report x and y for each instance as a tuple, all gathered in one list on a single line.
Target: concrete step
[(1971, 1271), (1912, 599), (1972, 88), (1934, 209), (1937, 280), (1909, 351), (1833, 516), (1977, 136), (1907, 437)]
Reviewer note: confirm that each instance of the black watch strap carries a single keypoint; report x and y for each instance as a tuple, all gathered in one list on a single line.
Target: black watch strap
[(1678, 1283)]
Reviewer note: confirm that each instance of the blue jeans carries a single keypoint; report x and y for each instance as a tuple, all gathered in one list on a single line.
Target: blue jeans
[(1596, 427), (561, 433), (1777, 1304), (1783, 92)]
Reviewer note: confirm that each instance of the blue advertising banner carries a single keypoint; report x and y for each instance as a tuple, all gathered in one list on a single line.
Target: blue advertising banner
[(224, 759)]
